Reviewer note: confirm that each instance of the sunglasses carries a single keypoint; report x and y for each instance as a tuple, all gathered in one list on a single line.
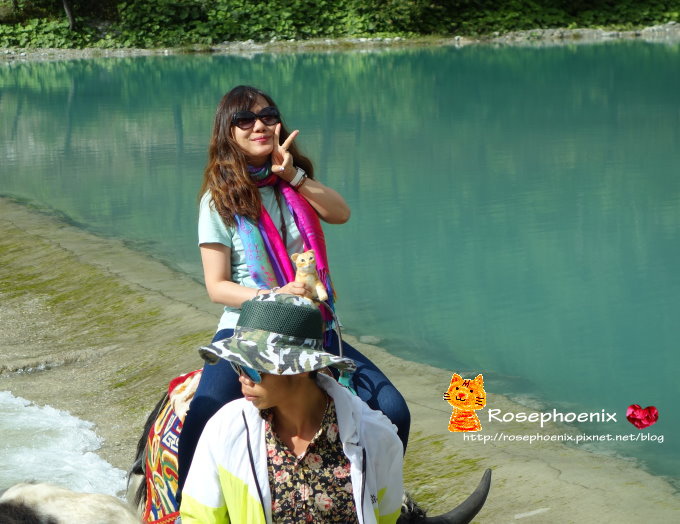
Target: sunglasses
[(246, 119), (248, 372)]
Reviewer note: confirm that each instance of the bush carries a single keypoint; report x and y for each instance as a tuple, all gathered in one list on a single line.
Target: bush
[(172, 23), (40, 32)]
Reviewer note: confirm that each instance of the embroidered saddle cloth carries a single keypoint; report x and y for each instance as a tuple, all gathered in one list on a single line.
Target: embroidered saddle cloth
[(161, 469)]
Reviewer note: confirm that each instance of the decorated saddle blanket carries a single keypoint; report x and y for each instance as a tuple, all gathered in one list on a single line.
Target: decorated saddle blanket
[(161, 465)]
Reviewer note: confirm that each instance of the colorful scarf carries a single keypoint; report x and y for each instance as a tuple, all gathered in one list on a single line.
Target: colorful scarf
[(266, 257)]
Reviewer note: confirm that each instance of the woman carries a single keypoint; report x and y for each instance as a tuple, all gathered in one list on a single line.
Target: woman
[(259, 204)]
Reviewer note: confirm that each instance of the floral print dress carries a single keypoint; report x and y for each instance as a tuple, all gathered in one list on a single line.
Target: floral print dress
[(316, 486)]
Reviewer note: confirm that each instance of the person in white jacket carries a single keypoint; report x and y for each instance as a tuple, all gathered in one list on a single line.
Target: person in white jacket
[(299, 447)]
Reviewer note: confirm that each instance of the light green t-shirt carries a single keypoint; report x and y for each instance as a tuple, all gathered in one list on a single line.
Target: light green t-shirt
[(211, 230)]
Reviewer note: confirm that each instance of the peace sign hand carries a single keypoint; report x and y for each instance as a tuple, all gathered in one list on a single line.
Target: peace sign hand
[(282, 160)]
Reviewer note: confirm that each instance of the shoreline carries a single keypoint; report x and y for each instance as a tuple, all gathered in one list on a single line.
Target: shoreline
[(668, 33), (110, 327)]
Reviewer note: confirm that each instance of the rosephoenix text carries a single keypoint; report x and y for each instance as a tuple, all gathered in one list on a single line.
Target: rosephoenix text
[(551, 416)]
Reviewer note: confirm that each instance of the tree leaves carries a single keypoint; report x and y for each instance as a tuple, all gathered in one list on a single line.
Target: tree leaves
[(175, 23)]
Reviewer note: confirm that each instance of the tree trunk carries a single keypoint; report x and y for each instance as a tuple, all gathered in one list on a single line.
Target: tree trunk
[(69, 15)]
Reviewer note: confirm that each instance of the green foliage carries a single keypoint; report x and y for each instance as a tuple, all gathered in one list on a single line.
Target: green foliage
[(41, 32), (486, 16), (27, 9), (176, 23), (160, 23)]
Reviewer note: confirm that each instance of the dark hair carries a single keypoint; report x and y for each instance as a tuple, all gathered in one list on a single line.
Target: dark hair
[(226, 175), (12, 512)]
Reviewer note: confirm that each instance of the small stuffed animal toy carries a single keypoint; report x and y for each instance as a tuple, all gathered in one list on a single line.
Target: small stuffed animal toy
[(306, 274)]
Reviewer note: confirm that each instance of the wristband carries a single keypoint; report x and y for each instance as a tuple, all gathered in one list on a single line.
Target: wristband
[(299, 177), (304, 179)]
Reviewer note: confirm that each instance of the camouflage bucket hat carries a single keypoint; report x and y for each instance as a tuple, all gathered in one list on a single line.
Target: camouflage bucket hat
[(278, 334)]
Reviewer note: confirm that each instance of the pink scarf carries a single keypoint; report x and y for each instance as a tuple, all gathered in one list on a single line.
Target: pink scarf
[(265, 253)]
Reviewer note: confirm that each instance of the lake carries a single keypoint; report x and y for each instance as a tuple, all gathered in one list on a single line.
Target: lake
[(515, 211)]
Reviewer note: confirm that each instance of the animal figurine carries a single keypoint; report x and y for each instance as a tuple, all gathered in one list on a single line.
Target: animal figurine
[(306, 274), (465, 396)]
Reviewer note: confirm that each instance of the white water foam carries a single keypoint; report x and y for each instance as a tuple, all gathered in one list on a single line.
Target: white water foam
[(43, 444)]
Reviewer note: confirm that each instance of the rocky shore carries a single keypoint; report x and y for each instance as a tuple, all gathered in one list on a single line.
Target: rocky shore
[(667, 33)]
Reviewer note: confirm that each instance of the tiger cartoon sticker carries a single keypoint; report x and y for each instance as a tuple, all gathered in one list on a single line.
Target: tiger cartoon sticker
[(465, 396)]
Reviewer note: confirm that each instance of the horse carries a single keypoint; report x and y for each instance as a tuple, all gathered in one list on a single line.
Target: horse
[(152, 479)]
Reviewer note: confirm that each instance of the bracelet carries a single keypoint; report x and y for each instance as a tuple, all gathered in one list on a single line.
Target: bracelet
[(258, 291), (274, 289), (299, 176), (304, 179)]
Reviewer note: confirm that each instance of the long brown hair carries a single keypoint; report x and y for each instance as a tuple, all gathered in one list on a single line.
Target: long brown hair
[(226, 175)]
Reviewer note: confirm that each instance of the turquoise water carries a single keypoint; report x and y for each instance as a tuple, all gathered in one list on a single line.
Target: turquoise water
[(516, 211)]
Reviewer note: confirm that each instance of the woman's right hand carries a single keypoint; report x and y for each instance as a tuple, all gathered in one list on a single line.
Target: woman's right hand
[(282, 160), (295, 288)]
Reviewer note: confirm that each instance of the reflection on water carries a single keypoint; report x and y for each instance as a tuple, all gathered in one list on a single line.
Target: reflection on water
[(516, 212)]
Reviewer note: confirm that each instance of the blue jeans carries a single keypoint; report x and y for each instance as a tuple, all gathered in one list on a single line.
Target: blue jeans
[(219, 384)]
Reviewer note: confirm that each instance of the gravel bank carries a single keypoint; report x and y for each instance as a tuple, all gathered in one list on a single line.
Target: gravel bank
[(667, 33)]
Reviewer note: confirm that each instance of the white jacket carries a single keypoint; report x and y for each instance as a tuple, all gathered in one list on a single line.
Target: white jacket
[(228, 479)]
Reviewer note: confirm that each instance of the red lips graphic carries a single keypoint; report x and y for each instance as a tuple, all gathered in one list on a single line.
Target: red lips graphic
[(642, 417)]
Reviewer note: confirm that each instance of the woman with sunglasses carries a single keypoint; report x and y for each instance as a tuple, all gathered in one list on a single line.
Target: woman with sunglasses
[(260, 203)]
